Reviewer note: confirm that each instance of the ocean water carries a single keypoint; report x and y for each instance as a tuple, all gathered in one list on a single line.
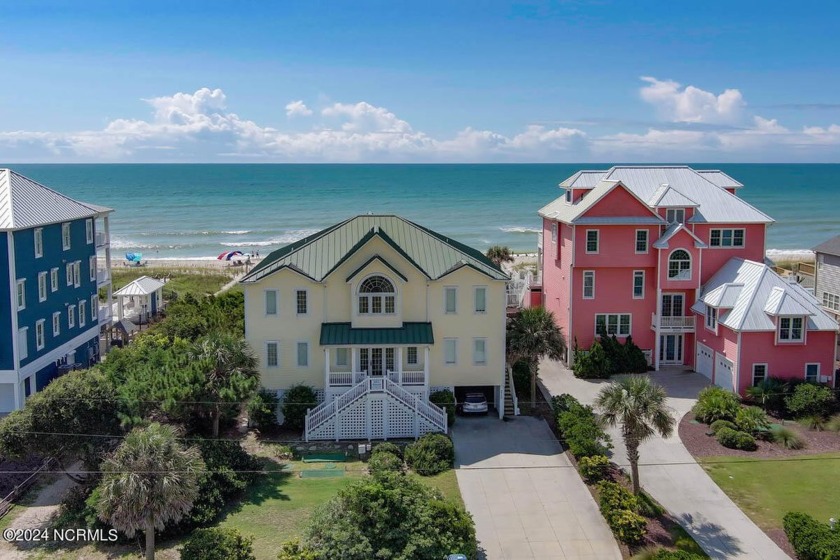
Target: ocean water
[(198, 211)]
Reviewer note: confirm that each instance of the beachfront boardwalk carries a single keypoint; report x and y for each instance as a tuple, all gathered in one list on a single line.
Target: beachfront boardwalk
[(670, 474)]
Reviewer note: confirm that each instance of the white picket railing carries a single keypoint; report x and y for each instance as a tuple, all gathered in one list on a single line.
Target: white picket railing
[(324, 411), (513, 392), (673, 324), (432, 413)]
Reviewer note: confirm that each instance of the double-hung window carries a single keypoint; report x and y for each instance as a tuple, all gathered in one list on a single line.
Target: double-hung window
[(342, 357), (71, 316), (89, 231), (303, 354), (641, 241), (675, 215), (614, 323), (450, 351), (592, 238), (272, 353), (480, 299), (68, 269), (588, 284), (42, 286), (92, 268), (411, 359), (77, 273), (271, 302), (450, 299), (39, 334), (53, 279), (790, 329), (638, 284), (23, 343), (759, 372), (39, 243), (94, 307), (711, 318), (301, 303), (812, 372), (21, 294), (82, 313), (56, 320), (65, 236), (480, 351)]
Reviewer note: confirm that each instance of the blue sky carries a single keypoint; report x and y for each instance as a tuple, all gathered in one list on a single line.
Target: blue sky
[(421, 81)]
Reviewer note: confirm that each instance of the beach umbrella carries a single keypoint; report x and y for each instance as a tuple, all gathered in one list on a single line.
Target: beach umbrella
[(227, 255), (133, 257)]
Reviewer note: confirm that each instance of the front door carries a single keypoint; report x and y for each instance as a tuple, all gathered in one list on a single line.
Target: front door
[(671, 349), (672, 305), (376, 361)]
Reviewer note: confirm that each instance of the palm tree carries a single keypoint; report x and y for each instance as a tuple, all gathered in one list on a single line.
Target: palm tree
[(149, 481), (532, 334), (499, 254), (230, 370), (638, 405)]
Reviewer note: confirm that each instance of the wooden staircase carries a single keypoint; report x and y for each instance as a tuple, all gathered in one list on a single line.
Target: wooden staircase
[(511, 406)]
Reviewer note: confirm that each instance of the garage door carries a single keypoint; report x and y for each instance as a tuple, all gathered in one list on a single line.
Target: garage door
[(723, 372), (705, 360)]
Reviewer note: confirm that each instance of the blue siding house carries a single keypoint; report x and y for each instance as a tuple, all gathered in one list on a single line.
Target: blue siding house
[(54, 260)]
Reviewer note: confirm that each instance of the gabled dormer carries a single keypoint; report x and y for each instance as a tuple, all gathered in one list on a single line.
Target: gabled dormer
[(672, 205)]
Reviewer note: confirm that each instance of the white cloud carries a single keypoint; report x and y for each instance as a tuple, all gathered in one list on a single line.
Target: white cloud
[(297, 109), (199, 127), (690, 104)]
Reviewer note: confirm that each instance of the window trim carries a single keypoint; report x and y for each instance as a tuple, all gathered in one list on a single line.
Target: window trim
[(38, 242), (42, 277), (647, 242), (276, 344), (54, 279), (597, 233), (732, 231), (368, 298), (713, 327), (675, 211), (817, 378), (826, 301), (56, 324), (638, 274), (568, 196), (77, 274), (308, 354), (82, 313), (408, 360), (454, 342), (677, 278), (71, 317), (43, 342), (766, 372), (92, 266), (618, 324), (305, 293), (94, 308), (477, 311), (791, 318), (446, 290), (23, 349), (66, 237), (20, 294), (89, 231), (68, 270), (276, 303), (476, 340), (346, 361), (591, 274)]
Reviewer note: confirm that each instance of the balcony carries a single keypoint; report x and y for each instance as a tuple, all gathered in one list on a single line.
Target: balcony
[(413, 377), (102, 239), (105, 313), (103, 276), (672, 324)]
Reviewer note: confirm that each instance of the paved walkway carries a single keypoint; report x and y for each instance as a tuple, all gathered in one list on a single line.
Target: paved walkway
[(670, 474), (527, 500)]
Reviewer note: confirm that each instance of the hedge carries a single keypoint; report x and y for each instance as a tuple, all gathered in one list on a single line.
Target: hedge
[(811, 540), (218, 544), (734, 439), (446, 400), (579, 427), (430, 455), (620, 509)]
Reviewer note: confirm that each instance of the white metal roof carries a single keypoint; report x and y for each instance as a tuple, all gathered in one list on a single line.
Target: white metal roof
[(674, 229), (723, 296), (713, 203), (762, 292), (667, 196), (720, 178), (25, 204), (563, 211), (142, 286)]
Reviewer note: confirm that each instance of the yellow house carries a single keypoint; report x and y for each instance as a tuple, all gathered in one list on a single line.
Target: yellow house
[(375, 313)]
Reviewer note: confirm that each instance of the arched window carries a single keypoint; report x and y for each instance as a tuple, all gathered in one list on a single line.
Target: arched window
[(376, 296), (679, 265)]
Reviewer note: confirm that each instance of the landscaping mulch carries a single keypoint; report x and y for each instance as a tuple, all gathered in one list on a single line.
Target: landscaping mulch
[(694, 436)]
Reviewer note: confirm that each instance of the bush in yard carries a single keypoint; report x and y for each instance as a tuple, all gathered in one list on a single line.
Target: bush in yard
[(384, 462), (665, 554), (430, 455), (811, 539), (745, 441), (262, 409), (581, 430), (718, 424), (387, 447), (716, 403), (592, 365), (752, 420), (562, 403), (810, 400), (217, 544), (296, 402), (734, 439), (613, 496), (594, 468), (833, 425), (619, 507), (392, 517), (446, 400), (293, 550), (770, 394), (634, 357), (787, 438)]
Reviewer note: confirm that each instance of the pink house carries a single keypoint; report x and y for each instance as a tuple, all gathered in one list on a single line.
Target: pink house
[(659, 253)]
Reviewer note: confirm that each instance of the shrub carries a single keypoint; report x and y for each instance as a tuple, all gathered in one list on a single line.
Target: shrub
[(718, 424), (716, 403), (582, 432), (446, 400), (594, 468), (384, 462), (387, 447), (431, 454), (293, 550), (816, 422), (752, 420), (833, 425), (614, 496), (810, 400), (592, 365), (787, 438), (665, 554), (563, 403), (521, 377), (389, 517), (811, 540), (217, 544), (296, 402), (745, 442), (619, 507), (770, 394), (262, 409), (734, 439), (634, 357)]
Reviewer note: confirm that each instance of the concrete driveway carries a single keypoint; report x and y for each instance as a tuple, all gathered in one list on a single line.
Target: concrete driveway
[(526, 498), (670, 474)]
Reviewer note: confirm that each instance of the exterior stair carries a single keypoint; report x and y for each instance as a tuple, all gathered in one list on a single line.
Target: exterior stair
[(511, 403)]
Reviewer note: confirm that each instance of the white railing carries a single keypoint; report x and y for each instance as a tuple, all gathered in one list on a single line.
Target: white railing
[(101, 239), (102, 275), (317, 416), (678, 323), (408, 377), (348, 378), (512, 388), (104, 313), (432, 413), (341, 378)]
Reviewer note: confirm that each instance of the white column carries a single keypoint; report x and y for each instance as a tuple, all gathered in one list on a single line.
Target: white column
[(354, 352), (326, 368), (399, 365), (656, 342), (426, 370)]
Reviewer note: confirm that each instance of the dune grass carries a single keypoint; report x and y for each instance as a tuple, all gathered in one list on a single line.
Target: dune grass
[(198, 282), (768, 489)]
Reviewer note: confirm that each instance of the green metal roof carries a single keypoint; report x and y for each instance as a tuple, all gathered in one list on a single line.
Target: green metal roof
[(342, 334), (318, 255)]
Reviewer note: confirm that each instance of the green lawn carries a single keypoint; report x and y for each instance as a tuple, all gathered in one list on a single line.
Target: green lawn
[(193, 281), (767, 489)]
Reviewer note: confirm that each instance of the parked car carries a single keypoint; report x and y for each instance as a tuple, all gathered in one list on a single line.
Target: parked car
[(474, 403)]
